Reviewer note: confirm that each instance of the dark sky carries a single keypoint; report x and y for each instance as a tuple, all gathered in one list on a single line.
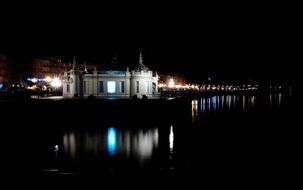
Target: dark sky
[(234, 43)]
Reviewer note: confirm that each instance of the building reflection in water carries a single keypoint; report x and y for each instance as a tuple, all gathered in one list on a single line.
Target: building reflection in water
[(253, 99), (139, 144), (143, 144), (69, 142), (243, 103), (275, 99), (270, 99), (213, 103), (194, 110), (111, 141), (171, 141), (202, 105)]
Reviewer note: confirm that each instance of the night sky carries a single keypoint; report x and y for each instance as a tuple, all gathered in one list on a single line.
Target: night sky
[(231, 43)]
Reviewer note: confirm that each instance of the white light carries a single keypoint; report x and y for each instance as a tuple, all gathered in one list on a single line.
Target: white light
[(161, 85), (179, 86), (34, 80), (145, 145), (171, 83), (56, 82), (111, 86), (171, 140), (32, 87)]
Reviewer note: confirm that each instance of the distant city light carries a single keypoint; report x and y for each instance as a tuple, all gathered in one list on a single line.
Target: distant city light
[(32, 87), (56, 82), (34, 80), (48, 79), (171, 83), (178, 86), (161, 85), (1, 85)]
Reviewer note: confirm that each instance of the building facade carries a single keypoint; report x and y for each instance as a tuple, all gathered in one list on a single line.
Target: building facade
[(3, 69), (140, 81), (49, 67)]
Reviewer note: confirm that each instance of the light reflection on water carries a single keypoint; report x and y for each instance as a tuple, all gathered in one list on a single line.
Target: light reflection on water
[(148, 145), (171, 141), (215, 103), (111, 141), (194, 110), (243, 103), (275, 99), (139, 144), (210, 104)]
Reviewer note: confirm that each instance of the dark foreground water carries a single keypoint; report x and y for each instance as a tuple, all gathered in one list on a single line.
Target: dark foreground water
[(227, 136)]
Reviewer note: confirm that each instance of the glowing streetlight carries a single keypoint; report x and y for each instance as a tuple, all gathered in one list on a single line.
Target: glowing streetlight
[(171, 83), (48, 79), (161, 85), (34, 80), (56, 83), (178, 86)]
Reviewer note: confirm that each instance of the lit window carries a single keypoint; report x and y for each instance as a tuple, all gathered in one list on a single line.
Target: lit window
[(111, 87)]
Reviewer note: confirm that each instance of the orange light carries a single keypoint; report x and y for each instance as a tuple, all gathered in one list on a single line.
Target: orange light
[(48, 79)]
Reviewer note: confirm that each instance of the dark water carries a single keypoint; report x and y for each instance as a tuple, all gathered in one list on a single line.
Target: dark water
[(225, 135)]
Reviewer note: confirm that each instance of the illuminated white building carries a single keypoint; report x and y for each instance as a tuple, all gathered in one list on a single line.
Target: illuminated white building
[(140, 81)]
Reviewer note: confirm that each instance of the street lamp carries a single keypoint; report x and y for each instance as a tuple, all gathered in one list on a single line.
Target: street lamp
[(171, 83), (56, 83)]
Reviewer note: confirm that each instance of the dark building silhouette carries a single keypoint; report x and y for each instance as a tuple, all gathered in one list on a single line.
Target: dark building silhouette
[(3, 68)]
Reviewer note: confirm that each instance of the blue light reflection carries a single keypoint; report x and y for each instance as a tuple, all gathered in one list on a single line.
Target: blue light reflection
[(111, 141)]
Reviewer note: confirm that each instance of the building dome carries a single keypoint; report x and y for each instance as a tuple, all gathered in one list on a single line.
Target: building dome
[(141, 67)]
